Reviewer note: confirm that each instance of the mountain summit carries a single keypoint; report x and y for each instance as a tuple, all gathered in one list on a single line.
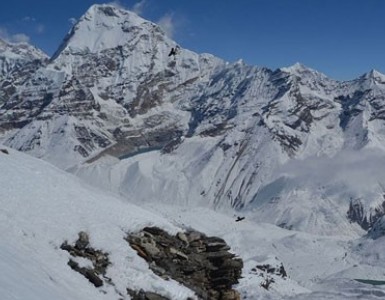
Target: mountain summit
[(103, 27)]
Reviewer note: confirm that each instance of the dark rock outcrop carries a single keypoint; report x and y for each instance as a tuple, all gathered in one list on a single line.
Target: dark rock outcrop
[(142, 295), (203, 264), (269, 269), (357, 214), (269, 273), (5, 151), (98, 258)]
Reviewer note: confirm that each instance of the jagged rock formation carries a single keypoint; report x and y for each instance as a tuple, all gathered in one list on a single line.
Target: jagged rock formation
[(203, 264), (17, 63), (218, 133), (356, 213)]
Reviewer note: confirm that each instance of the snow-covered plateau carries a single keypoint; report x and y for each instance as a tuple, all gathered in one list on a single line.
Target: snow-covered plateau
[(111, 135)]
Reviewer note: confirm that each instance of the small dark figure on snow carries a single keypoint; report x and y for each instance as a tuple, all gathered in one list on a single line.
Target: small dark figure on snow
[(239, 219), (174, 51), (5, 151)]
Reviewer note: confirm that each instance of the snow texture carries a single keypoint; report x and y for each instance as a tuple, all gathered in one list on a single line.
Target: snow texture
[(42, 206)]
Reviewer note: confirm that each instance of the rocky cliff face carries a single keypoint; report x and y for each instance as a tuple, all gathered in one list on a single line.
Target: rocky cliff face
[(18, 62), (190, 129), (103, 84)]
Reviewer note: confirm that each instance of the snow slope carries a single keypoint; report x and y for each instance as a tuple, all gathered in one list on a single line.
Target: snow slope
[(42, 206)]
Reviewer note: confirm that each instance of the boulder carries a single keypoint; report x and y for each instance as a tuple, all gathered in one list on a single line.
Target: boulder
[(203, 264), (98, 258)]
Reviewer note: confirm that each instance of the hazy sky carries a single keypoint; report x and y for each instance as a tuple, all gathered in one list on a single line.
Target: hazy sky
[(341, 38)]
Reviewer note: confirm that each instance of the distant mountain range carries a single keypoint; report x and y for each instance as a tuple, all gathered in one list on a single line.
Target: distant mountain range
[(289, 146)]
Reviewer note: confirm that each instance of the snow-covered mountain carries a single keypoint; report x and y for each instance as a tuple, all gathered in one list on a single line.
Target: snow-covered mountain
[(43, 208), (290, 147), (17, 63), (15, 56)]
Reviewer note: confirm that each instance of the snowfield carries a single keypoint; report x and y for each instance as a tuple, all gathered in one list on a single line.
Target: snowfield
[(42, 206)]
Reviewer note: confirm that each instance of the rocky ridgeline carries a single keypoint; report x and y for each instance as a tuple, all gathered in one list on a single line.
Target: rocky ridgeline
[(203, 264)]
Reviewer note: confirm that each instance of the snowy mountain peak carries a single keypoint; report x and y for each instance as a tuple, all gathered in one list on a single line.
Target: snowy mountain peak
[(297, 68), (104, 12), (304, 72), (17, 62), (104, 27), (371, 80), (20, 50), (375, 75)]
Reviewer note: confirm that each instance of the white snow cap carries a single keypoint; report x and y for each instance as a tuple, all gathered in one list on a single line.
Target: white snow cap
[(298, 68), (103, 27), (375, 75), (20, 50)]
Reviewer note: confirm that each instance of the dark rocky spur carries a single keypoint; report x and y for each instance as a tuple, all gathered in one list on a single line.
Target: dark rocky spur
[(201, 263)]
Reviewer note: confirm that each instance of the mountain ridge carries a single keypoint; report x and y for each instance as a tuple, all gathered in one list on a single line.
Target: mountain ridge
[(196, 129)]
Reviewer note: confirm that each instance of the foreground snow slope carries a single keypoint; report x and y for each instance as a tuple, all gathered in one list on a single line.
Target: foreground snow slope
[(42, 206)]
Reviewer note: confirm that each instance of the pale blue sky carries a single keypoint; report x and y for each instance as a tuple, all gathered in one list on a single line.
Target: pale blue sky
[(341, 38)]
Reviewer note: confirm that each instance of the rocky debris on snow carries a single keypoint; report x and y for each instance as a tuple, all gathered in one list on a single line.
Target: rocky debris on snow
[(269, 273), (5, 151), (142, 295), (269, 269), (98, 258), (203, 264), (266, 283)]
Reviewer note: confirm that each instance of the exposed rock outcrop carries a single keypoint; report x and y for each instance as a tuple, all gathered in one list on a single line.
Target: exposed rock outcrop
[(142, 295), (378, 229), (5, 151), (357, 214), (266, 271), (98, 258), (203, 264), (269, 272)]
